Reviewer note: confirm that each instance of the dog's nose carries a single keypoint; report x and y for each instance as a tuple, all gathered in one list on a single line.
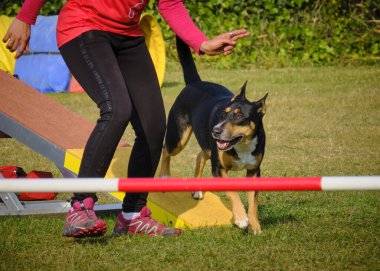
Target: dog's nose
[(216, 131)]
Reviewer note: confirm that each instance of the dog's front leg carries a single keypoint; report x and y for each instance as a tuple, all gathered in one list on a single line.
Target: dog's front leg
[(165, 164), (253, 207), (240, 216), (200, 164), (253, 212), (238, 210)]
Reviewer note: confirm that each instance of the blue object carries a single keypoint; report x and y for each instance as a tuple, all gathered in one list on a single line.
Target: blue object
[(44, 68)]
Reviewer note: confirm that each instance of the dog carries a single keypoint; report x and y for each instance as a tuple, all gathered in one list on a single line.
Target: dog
[(229, 129)]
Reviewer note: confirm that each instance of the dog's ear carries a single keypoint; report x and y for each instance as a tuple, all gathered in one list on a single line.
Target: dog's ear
[(262, 107), (241, 93)]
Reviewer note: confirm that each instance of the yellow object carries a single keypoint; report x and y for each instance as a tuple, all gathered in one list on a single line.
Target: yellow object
[(117, 169), (191, 213), (155, 43), (7, 59), (173, 209)]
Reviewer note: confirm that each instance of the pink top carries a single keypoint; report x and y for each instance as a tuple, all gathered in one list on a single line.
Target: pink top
[(120, 17)]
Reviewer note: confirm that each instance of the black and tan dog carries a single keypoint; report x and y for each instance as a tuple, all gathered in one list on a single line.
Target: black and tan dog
[(228, 128)]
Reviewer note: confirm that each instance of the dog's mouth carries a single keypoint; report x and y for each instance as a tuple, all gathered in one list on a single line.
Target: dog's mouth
[(225, 145)]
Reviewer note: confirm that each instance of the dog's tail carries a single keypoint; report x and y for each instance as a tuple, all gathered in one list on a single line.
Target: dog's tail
[(189, 69)]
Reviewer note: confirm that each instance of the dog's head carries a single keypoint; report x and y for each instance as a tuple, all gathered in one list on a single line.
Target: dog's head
[(239, 121)]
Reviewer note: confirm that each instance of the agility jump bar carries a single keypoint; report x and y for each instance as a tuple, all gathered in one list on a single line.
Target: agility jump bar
[(340, 183)]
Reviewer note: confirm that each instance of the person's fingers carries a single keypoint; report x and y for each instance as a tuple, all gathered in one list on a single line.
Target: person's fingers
[(227, 42), (10, 44), (18, 54), (6, 37), (17, 37), (238, 34), (228, 48), (227, 35), (15, 45), (239, 31), (23, 47)]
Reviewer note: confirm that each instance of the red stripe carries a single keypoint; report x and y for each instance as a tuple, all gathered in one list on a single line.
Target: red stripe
[(220, 184)]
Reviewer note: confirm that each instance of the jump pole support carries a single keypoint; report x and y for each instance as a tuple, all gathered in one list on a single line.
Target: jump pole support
[(341, 183)]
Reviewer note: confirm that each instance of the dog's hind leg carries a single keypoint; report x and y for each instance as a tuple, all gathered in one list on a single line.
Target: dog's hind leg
[(199, 166), (253, 207), (175, 141), (165, 164)]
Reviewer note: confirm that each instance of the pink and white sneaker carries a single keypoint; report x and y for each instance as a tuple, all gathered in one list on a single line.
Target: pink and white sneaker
[(81, 221), (142, 225)]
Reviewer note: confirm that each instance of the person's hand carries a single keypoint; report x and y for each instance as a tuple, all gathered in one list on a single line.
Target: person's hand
[(17, 36), (224, 43)]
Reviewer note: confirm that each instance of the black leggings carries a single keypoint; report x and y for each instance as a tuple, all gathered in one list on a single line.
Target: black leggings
[(118, 74)]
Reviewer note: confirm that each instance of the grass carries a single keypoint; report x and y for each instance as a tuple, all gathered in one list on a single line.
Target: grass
[(320, 121)]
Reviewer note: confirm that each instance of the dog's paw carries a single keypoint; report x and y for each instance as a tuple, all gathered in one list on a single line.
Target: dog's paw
[(242, 223), (256, 230), (197, 195)]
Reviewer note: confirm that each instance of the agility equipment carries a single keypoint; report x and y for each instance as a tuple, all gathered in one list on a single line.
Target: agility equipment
[(43, 67), (7, 59), (14, 172), (155, 43), (189, 212), (336, 183)]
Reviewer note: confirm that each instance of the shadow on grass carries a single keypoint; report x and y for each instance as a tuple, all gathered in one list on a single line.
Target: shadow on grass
[(271, 219), (103, 240), (277, 220), (170, 84)]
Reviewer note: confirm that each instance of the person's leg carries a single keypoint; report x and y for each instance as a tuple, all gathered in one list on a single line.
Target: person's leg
[(91, 59), (148, 118), (149, 123)]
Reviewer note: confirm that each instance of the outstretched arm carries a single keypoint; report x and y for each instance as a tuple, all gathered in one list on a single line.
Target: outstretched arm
[(177, 17), (18, 33)]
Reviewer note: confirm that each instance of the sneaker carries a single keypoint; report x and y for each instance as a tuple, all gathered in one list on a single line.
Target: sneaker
[(142, 225), (81, 221)]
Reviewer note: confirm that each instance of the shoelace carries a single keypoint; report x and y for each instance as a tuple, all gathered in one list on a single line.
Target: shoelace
[(88, 213), (83, 208)]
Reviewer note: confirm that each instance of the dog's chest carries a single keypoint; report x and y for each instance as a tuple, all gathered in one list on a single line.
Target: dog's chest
[(246, 160)]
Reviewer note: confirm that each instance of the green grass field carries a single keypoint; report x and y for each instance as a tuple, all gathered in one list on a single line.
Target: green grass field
[(319, 122)]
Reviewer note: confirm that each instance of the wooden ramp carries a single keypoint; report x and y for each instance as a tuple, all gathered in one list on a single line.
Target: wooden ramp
[(60, 135)]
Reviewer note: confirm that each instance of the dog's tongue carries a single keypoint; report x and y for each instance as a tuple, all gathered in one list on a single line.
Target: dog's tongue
[(222, 144)]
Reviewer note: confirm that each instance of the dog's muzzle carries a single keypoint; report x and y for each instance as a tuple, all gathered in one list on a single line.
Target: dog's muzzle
[(224, 144)]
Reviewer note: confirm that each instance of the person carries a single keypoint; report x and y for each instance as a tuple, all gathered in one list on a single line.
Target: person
[(103, 48)]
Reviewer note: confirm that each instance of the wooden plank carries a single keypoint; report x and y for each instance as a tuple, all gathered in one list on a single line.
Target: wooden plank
[(42, 115)]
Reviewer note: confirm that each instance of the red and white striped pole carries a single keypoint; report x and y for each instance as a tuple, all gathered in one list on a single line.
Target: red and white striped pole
[(341, 183)]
